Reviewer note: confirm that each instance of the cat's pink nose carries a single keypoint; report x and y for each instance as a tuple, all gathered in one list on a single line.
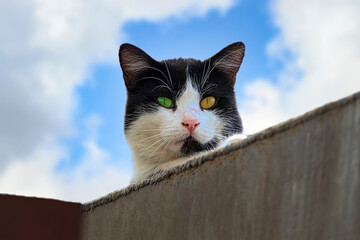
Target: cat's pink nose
[(190, 124)]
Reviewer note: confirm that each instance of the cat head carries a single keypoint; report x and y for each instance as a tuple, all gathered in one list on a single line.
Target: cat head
[(179, 107)]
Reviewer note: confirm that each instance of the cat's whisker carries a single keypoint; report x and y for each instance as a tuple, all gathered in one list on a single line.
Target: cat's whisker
[(161, 136), (203, 80), (148, 139), (171, 83), (165, 141), (161, 86), (202, 76), (206, 77), (159, 79), (144, 131), (157, 69), (153, 137), (165, 148), (159, 140), (165, 135), (210, 86), (207, 70)]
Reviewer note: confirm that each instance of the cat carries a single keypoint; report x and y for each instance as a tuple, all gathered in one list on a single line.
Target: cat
[(178, 108)]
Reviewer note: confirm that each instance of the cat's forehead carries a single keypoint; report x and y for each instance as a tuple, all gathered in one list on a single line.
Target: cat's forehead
[(170, 75), (189, 95), (185, 71)]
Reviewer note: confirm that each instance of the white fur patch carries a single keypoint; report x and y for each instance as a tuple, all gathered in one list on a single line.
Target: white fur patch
[(233, 139)]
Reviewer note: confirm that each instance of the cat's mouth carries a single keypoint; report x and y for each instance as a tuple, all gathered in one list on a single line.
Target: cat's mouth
[(189, 138), (185, 140), (192, 146)]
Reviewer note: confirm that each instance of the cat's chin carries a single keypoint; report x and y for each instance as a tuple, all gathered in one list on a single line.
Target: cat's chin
[(187, 146), (192, 146)]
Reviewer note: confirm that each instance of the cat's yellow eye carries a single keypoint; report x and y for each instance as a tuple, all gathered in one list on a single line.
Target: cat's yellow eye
[(207, 102), (165, 102)]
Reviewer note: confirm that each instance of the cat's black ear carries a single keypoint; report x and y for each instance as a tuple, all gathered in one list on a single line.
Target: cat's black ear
[(229, 59), (133, 62)]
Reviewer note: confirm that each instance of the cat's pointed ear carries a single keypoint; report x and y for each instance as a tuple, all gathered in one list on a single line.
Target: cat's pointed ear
[(229, 59), (133, 62)]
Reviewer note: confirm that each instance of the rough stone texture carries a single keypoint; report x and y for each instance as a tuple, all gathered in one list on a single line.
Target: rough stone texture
[(297, 180)]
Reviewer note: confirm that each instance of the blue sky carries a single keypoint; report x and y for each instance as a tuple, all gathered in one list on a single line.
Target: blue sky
[(62, 107)]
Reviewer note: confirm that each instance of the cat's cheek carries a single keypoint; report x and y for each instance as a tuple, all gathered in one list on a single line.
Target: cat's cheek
[(211, 128), (204, 136), (176, 147)]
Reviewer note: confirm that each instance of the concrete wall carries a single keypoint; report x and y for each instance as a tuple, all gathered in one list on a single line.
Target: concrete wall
[(297, 180)]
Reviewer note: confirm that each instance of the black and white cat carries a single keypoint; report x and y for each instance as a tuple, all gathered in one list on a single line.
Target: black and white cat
[(179, 107)]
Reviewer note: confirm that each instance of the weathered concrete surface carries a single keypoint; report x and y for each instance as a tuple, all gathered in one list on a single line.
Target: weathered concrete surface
[(297, 180)]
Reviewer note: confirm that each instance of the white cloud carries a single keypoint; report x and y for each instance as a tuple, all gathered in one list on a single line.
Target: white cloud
[(33, 176), (323, 38), (46, 48), (262, 106), (95, 175)]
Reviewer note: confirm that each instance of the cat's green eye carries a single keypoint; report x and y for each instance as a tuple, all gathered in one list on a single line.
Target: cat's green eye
[(165, 102)]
